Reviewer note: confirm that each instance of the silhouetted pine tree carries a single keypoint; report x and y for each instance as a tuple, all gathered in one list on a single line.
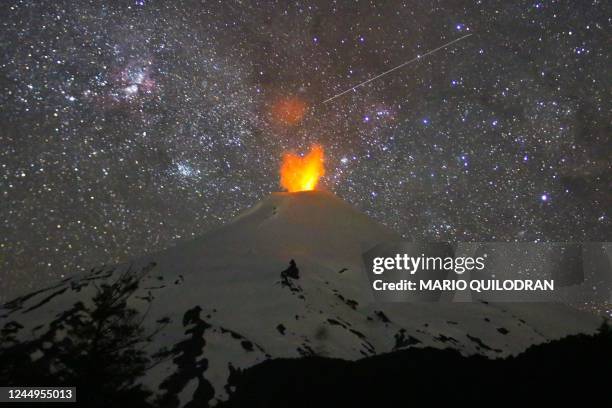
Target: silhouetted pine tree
[(97, 348)]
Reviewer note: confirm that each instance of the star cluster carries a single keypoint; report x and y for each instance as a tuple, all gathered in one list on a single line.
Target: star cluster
[(131, 125)]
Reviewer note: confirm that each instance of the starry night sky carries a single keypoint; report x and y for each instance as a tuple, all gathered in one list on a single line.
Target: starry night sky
[(128, 126)]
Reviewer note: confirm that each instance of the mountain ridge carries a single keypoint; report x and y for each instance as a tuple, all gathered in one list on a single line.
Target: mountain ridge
[(285, 279)]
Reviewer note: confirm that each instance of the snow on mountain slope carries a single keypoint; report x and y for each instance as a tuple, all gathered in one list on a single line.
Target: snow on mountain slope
[(284, 279)]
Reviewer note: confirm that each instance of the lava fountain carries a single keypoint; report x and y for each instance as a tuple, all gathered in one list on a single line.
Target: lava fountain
[(302, 173)]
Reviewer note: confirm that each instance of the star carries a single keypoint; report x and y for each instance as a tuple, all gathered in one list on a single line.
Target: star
[(124, 121)]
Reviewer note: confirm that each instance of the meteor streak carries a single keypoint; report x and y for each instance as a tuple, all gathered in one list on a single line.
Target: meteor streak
[(418, 57)]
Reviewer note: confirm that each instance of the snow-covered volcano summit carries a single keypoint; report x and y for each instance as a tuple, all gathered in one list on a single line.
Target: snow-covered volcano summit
[(310, 226), (284, 279)]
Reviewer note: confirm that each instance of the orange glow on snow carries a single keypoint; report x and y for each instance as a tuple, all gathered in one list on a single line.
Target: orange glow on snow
[(302, 173)]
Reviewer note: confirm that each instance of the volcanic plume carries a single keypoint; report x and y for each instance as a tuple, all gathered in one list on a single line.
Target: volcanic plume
[(289, 110), (302, 173)]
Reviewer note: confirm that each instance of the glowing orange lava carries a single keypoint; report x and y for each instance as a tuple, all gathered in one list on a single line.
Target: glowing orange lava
[(289, 111), (302, 173)]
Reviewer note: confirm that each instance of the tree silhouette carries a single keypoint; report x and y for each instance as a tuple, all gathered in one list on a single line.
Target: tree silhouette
[(96, 346)]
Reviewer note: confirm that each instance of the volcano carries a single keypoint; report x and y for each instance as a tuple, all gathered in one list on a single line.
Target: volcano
[(285, 279)]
